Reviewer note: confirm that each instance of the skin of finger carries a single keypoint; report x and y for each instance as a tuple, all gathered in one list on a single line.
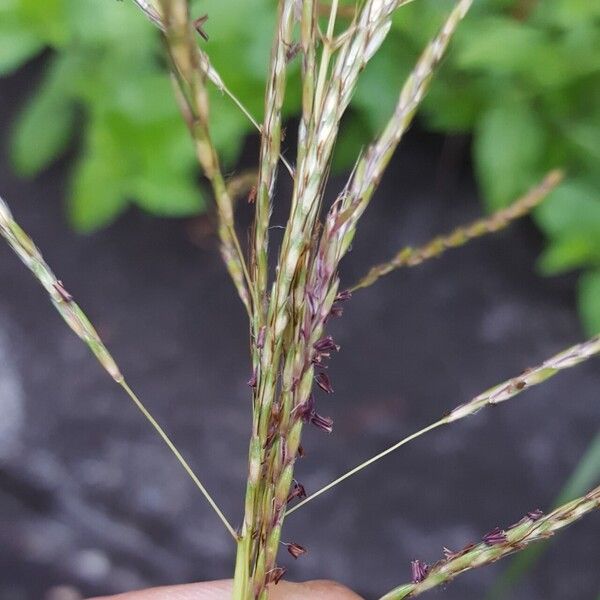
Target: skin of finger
[(221, 590)]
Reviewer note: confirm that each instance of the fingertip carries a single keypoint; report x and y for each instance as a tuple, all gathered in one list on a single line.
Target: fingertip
[(320, 589)]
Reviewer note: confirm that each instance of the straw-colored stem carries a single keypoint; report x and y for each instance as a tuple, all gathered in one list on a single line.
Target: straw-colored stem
[(76, 319), (499, 393), (411, 257), (533, 527)]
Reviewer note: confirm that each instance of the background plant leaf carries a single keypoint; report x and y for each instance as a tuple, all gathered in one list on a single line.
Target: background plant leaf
[(507, 147), (589, 300), (44, 127)]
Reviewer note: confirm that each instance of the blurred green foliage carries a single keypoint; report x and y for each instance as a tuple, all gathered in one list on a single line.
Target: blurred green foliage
[(523, 77)]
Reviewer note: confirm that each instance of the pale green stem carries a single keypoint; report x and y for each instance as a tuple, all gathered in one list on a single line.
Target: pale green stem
[(365, 464), (179, 457)]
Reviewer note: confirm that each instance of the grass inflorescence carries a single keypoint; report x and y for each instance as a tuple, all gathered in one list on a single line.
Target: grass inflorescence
[(290, 307)]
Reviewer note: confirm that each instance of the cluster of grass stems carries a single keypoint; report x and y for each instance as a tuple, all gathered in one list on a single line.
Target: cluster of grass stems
[(289, 307)]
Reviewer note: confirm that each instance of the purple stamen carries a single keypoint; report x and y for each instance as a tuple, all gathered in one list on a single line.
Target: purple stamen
[(324, 382), (343, 296), (260, 338), (326, 344), (296, 550), (275, 575), (535, 515), (336, 311), (323, 423), (418, 571), (297, 491), (495, 537)]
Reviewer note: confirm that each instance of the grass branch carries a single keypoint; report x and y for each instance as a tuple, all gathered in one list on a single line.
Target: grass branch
[(499, 393), (270, 149), (210, 72), (496, 545), (367, 173), (189, 75), (26, 250), (411, 257)]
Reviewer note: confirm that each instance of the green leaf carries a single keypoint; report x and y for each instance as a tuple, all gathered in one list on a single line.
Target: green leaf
[(239, 46), (495, 43), (98, 192), (44, 127), (48, 19), (97, 196), (572, 209), (569, 252), (102, 23), (568, 13), (167, 196), (17, 46), (144, 97), (508, 150), (454, 103), (228, 128), (589, 301)]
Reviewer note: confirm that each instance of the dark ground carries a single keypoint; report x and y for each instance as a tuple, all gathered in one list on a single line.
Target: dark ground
[(89, 497)]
